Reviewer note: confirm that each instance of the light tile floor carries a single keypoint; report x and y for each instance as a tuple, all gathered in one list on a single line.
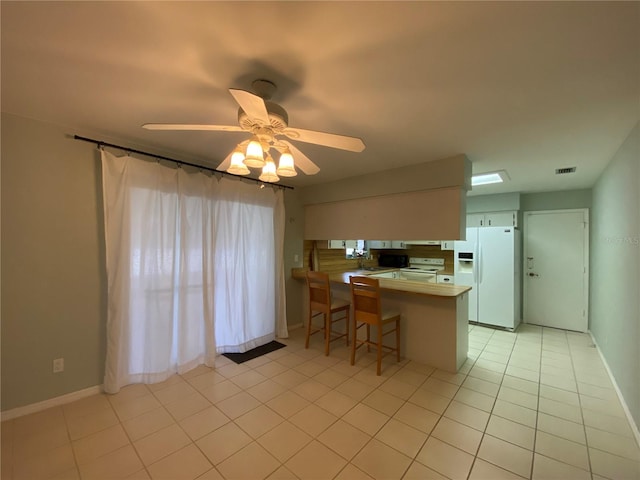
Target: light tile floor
[(533, 404)]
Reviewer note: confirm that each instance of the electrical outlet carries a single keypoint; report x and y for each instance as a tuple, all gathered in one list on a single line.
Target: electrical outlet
[(58, 365), (296, 258)]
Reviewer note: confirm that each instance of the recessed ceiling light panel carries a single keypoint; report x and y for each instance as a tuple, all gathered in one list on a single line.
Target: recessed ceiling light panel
[(489, 178)]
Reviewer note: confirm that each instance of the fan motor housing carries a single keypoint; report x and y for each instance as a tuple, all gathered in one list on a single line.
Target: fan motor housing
[(278, 117)]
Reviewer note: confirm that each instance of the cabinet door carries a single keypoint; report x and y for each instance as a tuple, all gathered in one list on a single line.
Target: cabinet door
[(378, 243), (336, 244), (398, 244), (500, 219), (475, 220), (350, 243), (492, 219), (446, 245)]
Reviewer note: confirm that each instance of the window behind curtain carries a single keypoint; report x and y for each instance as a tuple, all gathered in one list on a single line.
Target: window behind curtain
[(193, 265)]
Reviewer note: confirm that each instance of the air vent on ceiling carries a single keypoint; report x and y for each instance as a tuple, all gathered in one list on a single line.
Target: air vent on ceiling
[(560, 171)]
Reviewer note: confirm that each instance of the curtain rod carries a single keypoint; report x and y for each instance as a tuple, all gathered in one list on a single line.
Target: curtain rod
[(179, 162)]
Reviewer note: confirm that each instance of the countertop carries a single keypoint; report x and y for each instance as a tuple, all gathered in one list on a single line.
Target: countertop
[(408, 286), (393, 284)]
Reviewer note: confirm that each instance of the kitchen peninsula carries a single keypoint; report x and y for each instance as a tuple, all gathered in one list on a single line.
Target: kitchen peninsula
[(434, 328)]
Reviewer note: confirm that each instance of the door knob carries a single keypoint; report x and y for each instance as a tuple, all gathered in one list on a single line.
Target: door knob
[(533, 274)]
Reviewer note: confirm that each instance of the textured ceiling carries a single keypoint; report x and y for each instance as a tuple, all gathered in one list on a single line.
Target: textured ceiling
[(524, 87)]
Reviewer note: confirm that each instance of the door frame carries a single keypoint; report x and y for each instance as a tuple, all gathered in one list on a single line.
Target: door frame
[(585, 260)]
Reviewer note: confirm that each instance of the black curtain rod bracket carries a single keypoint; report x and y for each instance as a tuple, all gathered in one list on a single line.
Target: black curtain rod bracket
[(129, 150)]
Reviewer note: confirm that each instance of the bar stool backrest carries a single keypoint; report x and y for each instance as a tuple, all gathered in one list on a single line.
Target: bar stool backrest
[(319, 291), (365, 299)]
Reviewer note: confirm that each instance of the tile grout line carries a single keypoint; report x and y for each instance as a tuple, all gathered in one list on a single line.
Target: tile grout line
[(484, 433), (584, 427), (475, 457), (405, 401), (73, 450), (120, 422), (573, 348), (415, 458), (535, 431)]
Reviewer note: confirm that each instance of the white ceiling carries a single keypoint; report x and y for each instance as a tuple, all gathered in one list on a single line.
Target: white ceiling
[(525, 87)]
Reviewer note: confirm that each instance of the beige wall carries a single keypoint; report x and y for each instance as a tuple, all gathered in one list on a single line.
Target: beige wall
[(556, 200), (293, 255), (493, 203), (53, 277), (615, 269)]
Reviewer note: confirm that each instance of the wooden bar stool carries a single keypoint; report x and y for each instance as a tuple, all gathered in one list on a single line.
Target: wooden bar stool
[(321, 303), (367, 311)]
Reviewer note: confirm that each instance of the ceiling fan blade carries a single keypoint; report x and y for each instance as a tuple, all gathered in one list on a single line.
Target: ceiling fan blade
[(225, 163), (301, 160), (252, 105), (181, 126), (353, 144)]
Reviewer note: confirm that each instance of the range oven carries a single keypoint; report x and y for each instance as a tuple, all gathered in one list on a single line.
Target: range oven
[(418, 275), (422, 269)]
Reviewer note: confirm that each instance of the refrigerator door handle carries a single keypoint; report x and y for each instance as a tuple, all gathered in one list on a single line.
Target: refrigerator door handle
[(479, 262), (475, 265)]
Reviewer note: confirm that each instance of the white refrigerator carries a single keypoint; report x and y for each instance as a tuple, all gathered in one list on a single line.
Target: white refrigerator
[(489, 262)]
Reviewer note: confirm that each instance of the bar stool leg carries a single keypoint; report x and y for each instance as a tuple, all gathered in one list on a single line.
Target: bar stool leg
[(368, 338), (306, 342), (398, 339), (379, 369), (327, 333), (354, 329), (346, 325)]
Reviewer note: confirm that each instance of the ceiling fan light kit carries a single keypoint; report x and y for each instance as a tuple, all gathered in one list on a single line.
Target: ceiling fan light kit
[(269, 171), (286, 165), (254, 156), (266, 121), (237, 166)]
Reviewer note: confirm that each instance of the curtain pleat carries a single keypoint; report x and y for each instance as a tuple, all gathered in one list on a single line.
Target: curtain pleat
[(194, 268)]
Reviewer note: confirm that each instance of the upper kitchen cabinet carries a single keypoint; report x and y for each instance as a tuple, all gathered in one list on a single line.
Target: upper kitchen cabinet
[(379, 244), (446, 245), (493, 219), (388, 244), (341, 244)]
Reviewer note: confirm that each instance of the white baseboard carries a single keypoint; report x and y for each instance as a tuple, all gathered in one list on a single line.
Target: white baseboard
[(52, 402), (627, 412)]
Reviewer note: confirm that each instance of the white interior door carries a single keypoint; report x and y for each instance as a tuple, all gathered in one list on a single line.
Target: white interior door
[(556, 273)]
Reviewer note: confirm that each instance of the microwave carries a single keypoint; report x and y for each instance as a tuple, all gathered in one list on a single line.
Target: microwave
[(393, 261)]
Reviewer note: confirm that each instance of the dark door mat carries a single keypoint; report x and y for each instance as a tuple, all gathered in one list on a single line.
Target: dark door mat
[(254, 352)]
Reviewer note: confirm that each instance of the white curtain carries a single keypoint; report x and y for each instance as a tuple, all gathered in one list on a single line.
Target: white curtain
[(194, 268)]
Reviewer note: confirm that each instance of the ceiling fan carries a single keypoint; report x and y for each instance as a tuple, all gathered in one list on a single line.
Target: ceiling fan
[(268, 124)]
